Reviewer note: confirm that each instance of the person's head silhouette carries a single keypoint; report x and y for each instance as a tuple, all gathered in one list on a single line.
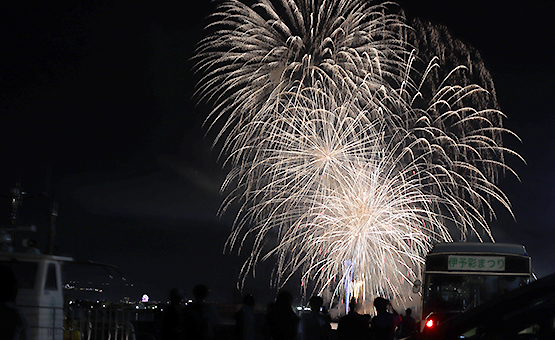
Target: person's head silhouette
[(316, 303), (200, 292), (381, 304), (8, 284), (248, 300), (284, 299)]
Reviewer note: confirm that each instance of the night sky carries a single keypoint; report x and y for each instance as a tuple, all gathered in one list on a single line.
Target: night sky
[(97, 115)]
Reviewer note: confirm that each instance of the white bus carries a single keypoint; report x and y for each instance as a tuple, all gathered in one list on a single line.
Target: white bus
[(460, 276)]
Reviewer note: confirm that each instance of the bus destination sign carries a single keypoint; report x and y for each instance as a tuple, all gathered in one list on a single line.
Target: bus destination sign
[(476, 263)]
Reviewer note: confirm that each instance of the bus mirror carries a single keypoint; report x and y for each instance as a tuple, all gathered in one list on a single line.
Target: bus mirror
[(416, 286)]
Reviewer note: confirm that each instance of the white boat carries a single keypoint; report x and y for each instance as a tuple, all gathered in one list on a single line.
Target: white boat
[(40, 294)]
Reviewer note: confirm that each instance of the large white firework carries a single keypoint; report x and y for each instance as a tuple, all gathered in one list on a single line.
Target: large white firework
[(345, 141)]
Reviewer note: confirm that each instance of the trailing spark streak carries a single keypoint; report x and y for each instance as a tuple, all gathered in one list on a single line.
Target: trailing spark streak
[(342, 141)]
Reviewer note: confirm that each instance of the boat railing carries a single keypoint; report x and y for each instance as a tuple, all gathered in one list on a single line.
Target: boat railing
[(104, 323), (44, 322)]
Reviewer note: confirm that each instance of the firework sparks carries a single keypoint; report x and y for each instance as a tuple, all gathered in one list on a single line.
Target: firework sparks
[(346, 141)]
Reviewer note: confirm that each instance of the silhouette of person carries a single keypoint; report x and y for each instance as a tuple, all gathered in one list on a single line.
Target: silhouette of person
[(384, 323), (353, 325), (200, 317), (281, 322), (13, 323), (245, 323), (316, 324), (32, 247), (408, 324), (173, 318)]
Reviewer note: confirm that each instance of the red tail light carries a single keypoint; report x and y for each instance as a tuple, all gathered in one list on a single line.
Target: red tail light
[(430, 323)]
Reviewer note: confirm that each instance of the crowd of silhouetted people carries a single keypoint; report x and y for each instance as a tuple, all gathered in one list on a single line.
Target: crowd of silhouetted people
[(195, 320), (198, 320), (387, 324)]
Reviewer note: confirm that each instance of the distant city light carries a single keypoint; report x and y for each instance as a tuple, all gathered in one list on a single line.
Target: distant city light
[(145, 298)]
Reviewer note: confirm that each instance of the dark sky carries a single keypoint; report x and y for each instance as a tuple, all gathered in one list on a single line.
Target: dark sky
[(96, 112)]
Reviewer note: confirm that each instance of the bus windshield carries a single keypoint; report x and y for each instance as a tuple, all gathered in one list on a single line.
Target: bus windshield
[(456, 293)]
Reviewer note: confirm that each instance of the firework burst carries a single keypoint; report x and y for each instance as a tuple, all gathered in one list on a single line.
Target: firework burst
[(345, 141)]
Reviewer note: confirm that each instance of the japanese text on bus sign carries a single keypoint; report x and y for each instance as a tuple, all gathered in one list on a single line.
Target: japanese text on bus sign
[(476, 263)]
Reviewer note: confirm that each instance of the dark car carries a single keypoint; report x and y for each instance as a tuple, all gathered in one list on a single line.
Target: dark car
[(525, 313)]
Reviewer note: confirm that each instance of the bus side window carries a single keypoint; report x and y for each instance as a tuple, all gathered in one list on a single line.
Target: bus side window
[(51, 279)]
